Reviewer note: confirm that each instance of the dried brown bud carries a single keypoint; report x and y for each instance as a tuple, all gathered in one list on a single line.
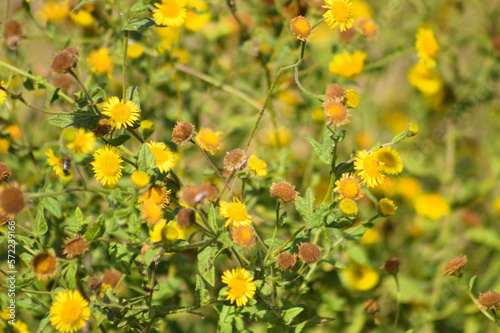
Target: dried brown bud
[(490, 300), (189, 195), (391, 266), (12, 200), (186, 217), (75, 246), (111, 278), (243, 236), (235, 160), (182, 133), (284, 191), (95, 283), (309, 253), (65, 61), (12, 32), (286, 260), (455, 266), (371, 307), (103, 128), (212, 192), (334, 93)]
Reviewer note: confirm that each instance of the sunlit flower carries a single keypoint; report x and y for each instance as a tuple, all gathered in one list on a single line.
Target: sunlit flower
[(361, 277), (55, 162), (170, 13), (371, 236), (369, 168), (337, 113), (83, 143), (391, 160), (348, 65), (196, 21), (44, 265), (361, 9), (209, 140), (351, 98), (427, 46), (158, 195), (425, 79), (339, 13), (301, 28), (432, 206), (82, 17), (140, 178), (135, 51), (241, 286), (165, 159), (348, 207), (409, 188), (257, 165), (120, 113), (349, 187), (235, 212), (69, 311), (100, 61), (163, 231), (107, 165), (386, 207)]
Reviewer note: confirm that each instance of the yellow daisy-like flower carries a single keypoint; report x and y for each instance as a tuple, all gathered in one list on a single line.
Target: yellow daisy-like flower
[(241, 286), (53, 11), (107, 165), (55, 162), (348, 65), (170, 13), (120, 113), (69, 311), (135, 51), (82, 18), (348, 207), (100, 61), (209, 140), (425, 79), (158, 195), (349, 187), (165, 159), (360, 277), (168, 231), (257, 165), (235, 212), (3, 93), (432, 206), (369, 168), (391, 160), (339, 13), (83, 143), (386, 207), (195, 21), (140, 178), (427, 46)]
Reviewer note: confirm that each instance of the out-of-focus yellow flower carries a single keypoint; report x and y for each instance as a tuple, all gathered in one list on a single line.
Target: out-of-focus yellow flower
[(168, 36), (360, 277), (53, 11), (269, 137), (360, 9), (496, 204), (408, 188), (82, 18), (371, 236), (209, 140), (195, 21), (168, 231), (181, 55), (83, 142), (100, 61), (425, 79), (427, 46), (257, 165), (364, 140), (290, 97), (348, 65), (432, 206), (15, 132), (135, 51), (396, 120), (318, 115)]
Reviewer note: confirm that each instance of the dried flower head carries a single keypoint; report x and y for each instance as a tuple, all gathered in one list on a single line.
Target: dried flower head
[(210, 190), (284, 191), (286, 260), (391, 266), (243, 236), (65, 61), (349, 186), (309, 253), (490, 300), (75, 246), (334, 93), (455, 266), (301, 28), (111, 278), (12, 199), (235, 160), (183, 132), (189, 195), (95, 283), (4, 218), (103, 128), (337, 113), (44, 265), (5, 172), (186, 217), (371, 307), (12, 31)]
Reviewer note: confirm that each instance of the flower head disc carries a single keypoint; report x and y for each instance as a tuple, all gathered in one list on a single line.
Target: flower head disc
[(107, 165), (209, 140), (171, 13), (235, 212), (69, 311), (369, 168), (100, 61), (83, 143), (391, 160), (120, 113), (348, 65), (348, 187), (339, 13), (241, 286), (165, 159)]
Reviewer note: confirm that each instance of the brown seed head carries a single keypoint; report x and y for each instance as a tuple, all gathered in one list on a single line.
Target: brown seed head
[(103, 128), (243, 236), (212, 192), (347, 35), (111, 278), (186, 217), (182, 133), (371, 307), (490, 300), (62, 81), (286, 260), (95, 283), (65, 61), (12, 200), (44, 265), (75, 246), (235, 160), (301, 28), (284, 191), (367, 28), (334, 93), (189, 195), (391, 266), (455, 266), (495, 42), (309, 253), (12, 31), (4, 172)]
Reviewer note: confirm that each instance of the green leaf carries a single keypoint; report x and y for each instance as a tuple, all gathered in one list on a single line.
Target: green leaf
[(138, 7), (484, 236), (78, 215), (45, 320), (212, 221), (97, 94), (206, 255), (471, 281), (305, 206), (376, 146), (358, 254), (146, 159), (41, 224), (317, 219), (53, 206), (202, 294), (139, 24), (289, 314), (119, 140), (96, 230), (399, 137), (63, 120), (70, 276), (132, 94), (318, 149), (28, 83), (122, 257), (53, 97)]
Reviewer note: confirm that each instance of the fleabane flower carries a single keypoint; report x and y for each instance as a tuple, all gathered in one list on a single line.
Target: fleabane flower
[(107, 165), (427, 46), (83, 143), (209, 140), (391, 160), (235, 212), (69, 311), (339, 13), (165, 159), (349, 187), (100, 61), (241, 286), (348, 65), (369, 168), (170, 13), (257, 165), (120, 113)]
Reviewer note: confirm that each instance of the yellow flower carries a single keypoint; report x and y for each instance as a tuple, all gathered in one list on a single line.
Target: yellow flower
[(100, 61), (427, 46), (53, 11), (360, 9), (170, 13), (45, 265), (257, 165), (425, 79), (371, 236), (195, 21), (83, 143), (339, 13), (165, 159), (360, 277), (15, 132), (140, 178), (348, 65), (348, 207), (168, 36), (3, 93), (54, 162), (135, 51), (158, 195), (386, 207), (152, 213), (409, 188), (391, 160), (241, 286), (348, 187), (4, 145), (69, 311), (82, 18), (18, 326), (351, 98), (209, 140), (432, 206), (168, 231), (120, 113), (269, 136), (107, 165), (235, 212), (301, 28), (369, 168), (104, 287)]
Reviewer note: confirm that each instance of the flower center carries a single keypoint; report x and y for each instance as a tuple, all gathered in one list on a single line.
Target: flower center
[(210, 139), (237, 212), (121, 112), (340, 11), (110, 165), (71, 311), (349, 188), (44, 265), (170, 9), (238, 287), (388, 159)]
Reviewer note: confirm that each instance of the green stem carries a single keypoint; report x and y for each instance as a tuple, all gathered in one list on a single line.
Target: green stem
[(398, 300), (124, 67), (469, 293), (292, 237), (304, 90), (211, 164), (274, 232), (91, 101)]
